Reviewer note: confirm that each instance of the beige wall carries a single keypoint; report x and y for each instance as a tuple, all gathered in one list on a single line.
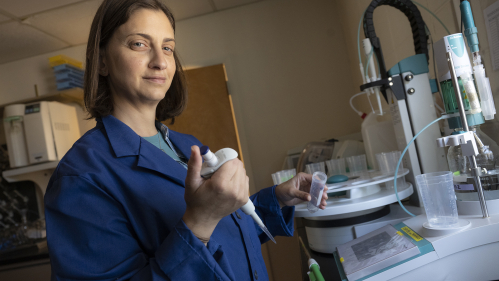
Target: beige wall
[(393, 29)]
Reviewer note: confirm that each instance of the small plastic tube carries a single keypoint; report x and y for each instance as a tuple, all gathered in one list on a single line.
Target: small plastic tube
[(471, 92), (485, 92), (316, 190)]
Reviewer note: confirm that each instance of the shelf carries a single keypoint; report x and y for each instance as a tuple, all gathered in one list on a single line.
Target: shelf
[(30, 169), (338, 206), (66, 96), (38, 173)]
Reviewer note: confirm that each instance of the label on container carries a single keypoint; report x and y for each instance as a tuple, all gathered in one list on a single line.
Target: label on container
[(464, 187), (411, 233), (319, 199)]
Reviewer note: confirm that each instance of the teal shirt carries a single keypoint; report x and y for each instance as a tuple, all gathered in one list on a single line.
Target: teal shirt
[(160, 143)]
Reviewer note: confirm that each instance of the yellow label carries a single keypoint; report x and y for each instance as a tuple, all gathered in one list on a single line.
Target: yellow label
[(342, 259), (400, 233), (411, 233)]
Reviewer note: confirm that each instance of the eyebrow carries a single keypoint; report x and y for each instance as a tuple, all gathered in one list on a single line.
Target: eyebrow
[(150, 38)]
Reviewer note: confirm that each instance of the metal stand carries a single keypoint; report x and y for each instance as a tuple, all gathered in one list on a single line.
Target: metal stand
[(475, 171)]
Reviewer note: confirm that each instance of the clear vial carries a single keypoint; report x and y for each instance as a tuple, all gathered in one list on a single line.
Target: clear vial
[(316, 190)]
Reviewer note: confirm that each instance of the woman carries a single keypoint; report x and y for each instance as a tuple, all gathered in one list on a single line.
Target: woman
[(119, 208)]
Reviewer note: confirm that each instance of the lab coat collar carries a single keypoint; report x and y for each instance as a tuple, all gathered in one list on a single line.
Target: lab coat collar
[(125, 142)]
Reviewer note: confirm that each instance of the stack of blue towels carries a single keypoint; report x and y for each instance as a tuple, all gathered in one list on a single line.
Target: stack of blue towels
[(68, 76)]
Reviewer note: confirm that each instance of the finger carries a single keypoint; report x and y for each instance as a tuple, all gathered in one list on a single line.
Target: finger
[(300, 195), (304, 181), (226, 172), (194, 167)]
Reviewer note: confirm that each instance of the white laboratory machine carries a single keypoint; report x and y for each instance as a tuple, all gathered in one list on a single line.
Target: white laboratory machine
[(39, 132), (468, 248)]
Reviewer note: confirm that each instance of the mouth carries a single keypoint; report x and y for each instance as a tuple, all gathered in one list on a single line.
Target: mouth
[(155, 79)]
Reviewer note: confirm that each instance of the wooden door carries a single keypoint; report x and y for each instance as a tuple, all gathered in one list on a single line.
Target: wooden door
[(209, 115)]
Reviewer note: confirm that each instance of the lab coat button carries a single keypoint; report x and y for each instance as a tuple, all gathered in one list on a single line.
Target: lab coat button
[(256, 275), (238, 215)]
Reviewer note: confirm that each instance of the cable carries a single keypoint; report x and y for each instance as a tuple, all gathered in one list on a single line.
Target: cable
[(400, 161), (435, 16), (353, 107)]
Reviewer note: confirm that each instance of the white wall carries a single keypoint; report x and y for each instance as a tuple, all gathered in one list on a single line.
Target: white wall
[(18, 78)]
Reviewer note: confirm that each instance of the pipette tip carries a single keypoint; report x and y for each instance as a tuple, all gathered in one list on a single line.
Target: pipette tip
[(264, 228)]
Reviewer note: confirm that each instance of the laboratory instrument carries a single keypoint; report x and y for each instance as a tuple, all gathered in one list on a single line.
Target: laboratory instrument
[(50, 129), (314, 274), (212, 162), (316, 190), (456, 240)]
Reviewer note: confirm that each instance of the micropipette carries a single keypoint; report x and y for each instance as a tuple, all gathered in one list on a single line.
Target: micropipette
[(212, 162)]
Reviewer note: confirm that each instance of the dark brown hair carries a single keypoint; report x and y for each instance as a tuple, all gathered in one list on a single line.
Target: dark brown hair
[(111, 15)]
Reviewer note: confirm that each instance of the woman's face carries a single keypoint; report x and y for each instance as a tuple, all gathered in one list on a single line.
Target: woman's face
[(138, 59)]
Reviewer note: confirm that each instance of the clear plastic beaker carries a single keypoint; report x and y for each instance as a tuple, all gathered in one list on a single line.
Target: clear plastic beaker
[(387, 162), (336, 167), (315, 167), (439, 199), (316, 190), (357, 164)]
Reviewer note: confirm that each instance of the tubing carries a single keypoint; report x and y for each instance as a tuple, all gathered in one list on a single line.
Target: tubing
[(400, 161)]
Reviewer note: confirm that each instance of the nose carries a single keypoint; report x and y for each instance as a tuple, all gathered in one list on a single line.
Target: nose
[(158, 59)]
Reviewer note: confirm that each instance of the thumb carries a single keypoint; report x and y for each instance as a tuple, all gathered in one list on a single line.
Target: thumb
[(194, 165)]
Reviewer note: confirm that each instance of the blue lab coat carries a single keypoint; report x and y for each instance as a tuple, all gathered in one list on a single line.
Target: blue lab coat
[(113, 209)]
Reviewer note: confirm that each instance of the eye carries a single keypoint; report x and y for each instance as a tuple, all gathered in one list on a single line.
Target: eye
[(137, 45), (168, 49)]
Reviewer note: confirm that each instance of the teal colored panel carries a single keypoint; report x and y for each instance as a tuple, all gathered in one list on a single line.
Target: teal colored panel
[(394, 70), (343, 276), (416, 64), (434, 86), (424, 246), (473, 119)]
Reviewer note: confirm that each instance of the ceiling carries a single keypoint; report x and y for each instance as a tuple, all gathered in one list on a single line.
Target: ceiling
[(34, 27)]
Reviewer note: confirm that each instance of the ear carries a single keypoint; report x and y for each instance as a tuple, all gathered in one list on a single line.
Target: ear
[(103, 70)]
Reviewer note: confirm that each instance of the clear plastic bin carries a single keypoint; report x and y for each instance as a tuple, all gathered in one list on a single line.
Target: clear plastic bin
[(357, 165), (439, 199), (315, 167), (387, 162), (336, 167)]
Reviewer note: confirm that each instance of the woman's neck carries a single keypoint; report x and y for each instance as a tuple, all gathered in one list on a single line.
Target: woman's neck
[(140, 120)]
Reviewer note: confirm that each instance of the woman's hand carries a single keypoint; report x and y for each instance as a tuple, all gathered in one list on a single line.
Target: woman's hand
[(209, 200), (296, 190)]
